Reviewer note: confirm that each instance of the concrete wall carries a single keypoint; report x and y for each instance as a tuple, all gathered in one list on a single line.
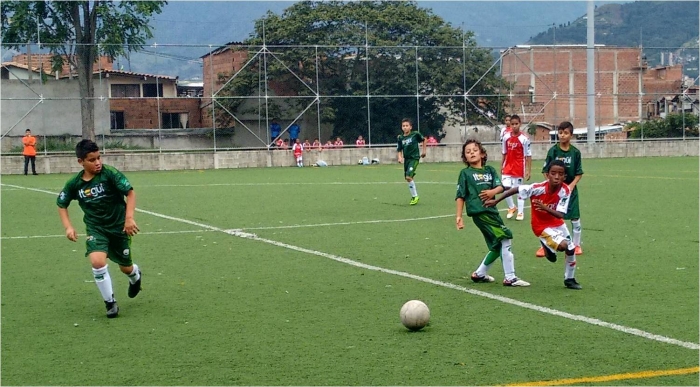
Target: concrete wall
[(350, 156), (57, 111)]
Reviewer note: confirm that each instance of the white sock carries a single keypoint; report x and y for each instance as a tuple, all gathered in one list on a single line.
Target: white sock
[(570, 267), (104, 282), (521, 205), (508, 259), (576, 227), (509, 201), (412, 188), (135, 274)]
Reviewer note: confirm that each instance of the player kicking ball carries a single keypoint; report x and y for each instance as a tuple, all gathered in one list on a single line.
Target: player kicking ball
[(549, 200)]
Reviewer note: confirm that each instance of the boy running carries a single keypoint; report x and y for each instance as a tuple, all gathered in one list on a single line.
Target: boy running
[(409, 155), (517, 163), (109, 221), (478, 182), (549, 201), (571, 157)]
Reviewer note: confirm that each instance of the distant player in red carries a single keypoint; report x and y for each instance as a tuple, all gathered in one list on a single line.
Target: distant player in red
[(360, 142), (432, 141), (517, 163), (298, 150), (338, 143), (550, 201), (307, 145), (506, 128)]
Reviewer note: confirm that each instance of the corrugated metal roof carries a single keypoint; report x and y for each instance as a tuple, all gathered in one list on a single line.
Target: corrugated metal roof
[(131, 74)]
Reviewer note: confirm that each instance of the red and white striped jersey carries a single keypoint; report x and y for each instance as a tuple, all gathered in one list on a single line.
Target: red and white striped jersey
[(297, 149), (515, 149), (557, 200)]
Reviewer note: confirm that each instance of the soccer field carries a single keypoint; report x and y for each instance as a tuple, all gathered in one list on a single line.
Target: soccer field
[(295, 276)]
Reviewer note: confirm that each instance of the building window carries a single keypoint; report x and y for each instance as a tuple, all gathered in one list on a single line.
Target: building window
[(125, 91), (116, 120), (175, 120), (149, 90)]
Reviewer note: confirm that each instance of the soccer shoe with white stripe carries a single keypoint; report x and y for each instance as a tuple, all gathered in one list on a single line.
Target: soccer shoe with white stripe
[(571, 283), (515, 282), (520, 216), (135, 288), (479, 279), (112, 308)]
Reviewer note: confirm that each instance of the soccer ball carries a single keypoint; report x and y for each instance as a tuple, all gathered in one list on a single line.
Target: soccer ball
[(415, 315)]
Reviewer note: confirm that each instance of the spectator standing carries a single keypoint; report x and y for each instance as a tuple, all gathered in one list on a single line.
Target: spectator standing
[(29, 151)]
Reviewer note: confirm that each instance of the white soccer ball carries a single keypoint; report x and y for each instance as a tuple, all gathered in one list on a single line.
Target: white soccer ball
[(415, 315)]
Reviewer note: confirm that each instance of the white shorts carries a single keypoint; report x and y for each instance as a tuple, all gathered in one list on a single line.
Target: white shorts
[(510, 181), (553, 236), (299, 159)]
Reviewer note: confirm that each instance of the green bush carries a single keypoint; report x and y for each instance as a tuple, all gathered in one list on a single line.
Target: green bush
[(669, 127)]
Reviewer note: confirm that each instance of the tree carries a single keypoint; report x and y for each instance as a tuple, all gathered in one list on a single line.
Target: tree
[(401, 37), (79, 32)]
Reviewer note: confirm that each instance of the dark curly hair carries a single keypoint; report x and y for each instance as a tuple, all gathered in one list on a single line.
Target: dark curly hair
[(84, 147), (481, 149)]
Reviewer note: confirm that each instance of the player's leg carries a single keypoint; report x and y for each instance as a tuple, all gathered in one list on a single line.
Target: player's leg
[(500, 236), (521, 202), (120, 253), (26, 164), (573, 213), (507, 182), (33, 160), (410, 167), (97, 245), (481, 273)]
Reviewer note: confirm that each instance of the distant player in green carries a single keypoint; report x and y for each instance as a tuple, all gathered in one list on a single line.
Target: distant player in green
[(109, 220), (571, 156), (477, 183), (409, 154)]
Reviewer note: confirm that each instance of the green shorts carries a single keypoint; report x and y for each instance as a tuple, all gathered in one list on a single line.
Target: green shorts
[(494, 230), (410, 166), (572, 211), (114, 242)]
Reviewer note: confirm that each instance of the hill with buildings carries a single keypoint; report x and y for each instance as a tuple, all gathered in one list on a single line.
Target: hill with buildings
[(667, 30)]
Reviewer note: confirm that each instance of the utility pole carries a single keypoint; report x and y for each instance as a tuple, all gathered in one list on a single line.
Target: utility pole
[(590, 72)]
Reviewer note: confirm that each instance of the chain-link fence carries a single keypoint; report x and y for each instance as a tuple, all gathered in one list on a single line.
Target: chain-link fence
[(258, 97)]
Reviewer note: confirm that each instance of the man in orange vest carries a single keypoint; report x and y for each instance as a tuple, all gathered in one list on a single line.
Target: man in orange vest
[(29, 152)]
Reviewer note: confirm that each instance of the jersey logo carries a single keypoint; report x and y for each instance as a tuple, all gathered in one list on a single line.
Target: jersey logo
[(92, 192), (566, 160), (62, 195), (486, 177)]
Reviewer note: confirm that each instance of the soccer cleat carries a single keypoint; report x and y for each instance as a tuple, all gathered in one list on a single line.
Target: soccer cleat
[(135, 288), (511, 212), (112, 308), (578, 251), (479, 279), (520, 216), (414, 200), (571, 283), (515, 282), (540, 253)]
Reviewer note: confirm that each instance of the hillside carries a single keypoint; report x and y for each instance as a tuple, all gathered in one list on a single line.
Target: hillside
[(659, 27)]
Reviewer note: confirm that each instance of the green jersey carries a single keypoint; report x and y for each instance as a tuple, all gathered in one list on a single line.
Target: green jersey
[(101, 198), (410, 145), (471, 182), (572, 159)]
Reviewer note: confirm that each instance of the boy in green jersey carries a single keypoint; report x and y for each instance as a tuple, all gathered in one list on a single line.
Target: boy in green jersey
[(109, 221), (571, 157), (409, 154), (477, 183)]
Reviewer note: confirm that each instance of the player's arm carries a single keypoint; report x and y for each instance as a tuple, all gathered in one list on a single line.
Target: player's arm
[(528, 167), (424, 147), (130, 227), (509, 192), (65, 219), (538, 204), (460, 211), (490, 193), (573, 183)]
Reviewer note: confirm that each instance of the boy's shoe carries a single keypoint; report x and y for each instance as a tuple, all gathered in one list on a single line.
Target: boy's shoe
[(414, 200), (571, 283), (540, 252), (112, 308), (520, 216), (135, 288), (578, 250), (515, 282), (511, 212), (479, 279), (550, 255)]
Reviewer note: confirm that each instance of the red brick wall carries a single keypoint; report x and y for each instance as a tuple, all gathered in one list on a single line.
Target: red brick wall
[(143, 113), (38, 59)]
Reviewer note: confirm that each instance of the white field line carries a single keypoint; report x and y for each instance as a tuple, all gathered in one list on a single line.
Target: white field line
[(141, 233), (506, 300), (293, 183)]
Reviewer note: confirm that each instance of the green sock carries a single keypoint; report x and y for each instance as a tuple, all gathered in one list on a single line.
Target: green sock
[(491, 256)]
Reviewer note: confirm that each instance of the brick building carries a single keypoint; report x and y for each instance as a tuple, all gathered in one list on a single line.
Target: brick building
[(549, 83), (43, 61)]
